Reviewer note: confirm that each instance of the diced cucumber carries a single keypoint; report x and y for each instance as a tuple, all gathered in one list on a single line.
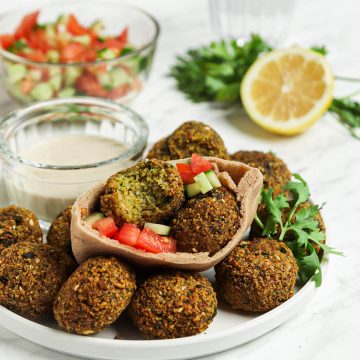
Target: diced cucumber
[(54, 70), (158, 228), (192, 189), (203, 182), (92, 218), (212, 177), (16, 72), (55, 82), (67, 92), (107, 54), (119, 77), (16, 91), (35, 74), (179, 161), (71, 75), (42, 91), (53, 56), (62, 19), (97, 27), (50, 33), (82, 39), (104, 79)]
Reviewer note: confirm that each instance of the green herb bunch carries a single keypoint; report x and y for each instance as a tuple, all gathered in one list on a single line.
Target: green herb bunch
[(300, 229)]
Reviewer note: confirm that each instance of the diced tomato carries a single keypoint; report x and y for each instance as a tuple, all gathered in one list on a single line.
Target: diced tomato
[(75, 27), (199, 164), (186, 174), (118, 92), (27, 25), (90, 55), (37, 40), (89, 84), (6, 41), (123, 37), (154, 243), (109, 44), (106, 227), (128, 234), (73, 52), (35, 55)]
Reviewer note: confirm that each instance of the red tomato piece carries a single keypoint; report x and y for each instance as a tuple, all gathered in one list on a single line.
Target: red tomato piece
[(27, 25), (109, 43), (26, 85), (6, 41), (123, 37), (128, 235), (154, 243), (186, 174), (106, 227), (90, 55), (118, 92), (89, 84), (198, 164), (73, 53), (75, 27), (37, 40), (35, 55)]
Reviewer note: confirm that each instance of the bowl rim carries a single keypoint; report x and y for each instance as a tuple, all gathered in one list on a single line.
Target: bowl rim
[(134, 150), (20, 59)]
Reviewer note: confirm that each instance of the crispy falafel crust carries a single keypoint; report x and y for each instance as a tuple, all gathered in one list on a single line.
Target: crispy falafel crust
[(30, 277), (257, 276), (245, 182), (173, 305), (94, 296), (17, 225), (150, 191)]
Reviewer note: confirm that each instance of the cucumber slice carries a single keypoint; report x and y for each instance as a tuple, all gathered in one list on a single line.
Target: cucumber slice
[(35, 75), (192, 189), (53, 56), (55, 82), (71, 75), (158, 228), (94, 217), (179, 161), (104, 79), (203, 182), (82, 39), (212, 177), (50, 34), (107, 54), (42, 91), (16, 72), (120, 77), (67, 92), (97, 27)]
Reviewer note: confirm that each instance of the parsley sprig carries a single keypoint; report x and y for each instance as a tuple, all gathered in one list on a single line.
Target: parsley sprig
[(300, 229)]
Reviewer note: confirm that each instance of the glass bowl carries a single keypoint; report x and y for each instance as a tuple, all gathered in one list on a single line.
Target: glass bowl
[(47, 187), (119, 79)]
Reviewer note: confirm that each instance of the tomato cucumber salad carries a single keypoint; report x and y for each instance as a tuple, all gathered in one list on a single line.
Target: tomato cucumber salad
[(198, 177), (52, 46)]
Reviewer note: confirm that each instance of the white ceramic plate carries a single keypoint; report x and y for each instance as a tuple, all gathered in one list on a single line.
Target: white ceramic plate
[(229, 329)]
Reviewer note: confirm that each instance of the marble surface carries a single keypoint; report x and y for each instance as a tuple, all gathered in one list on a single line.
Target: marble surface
[(326, 156)]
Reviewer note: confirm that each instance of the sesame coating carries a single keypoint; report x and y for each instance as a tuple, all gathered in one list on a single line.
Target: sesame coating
[(189, 138), (94, 296), (18, 224), (59, 233), (150, 191), (258, 275), (172, 305), (206, 223), (30, 277), (276, 173)]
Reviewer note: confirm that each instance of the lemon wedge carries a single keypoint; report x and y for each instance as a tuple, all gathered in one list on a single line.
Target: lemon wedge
[(286, 91)]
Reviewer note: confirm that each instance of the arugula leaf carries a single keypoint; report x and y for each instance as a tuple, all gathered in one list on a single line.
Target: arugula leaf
[(309, 267)]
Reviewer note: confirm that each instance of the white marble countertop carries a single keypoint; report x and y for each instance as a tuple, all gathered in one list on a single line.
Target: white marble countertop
[(327, 156)]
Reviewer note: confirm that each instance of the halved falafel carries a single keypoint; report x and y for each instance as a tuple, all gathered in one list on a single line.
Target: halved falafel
[(275, 172), (17, 225), (94, 296), (257, 276), (30, 277), (173, 305), (150, 191), (206, 223), (189, 138), (59, 233)]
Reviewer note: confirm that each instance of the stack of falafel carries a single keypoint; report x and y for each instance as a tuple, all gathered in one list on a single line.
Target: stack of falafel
[(38, 280)]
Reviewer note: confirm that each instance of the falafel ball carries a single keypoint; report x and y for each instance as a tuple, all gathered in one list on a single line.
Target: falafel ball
[(206, 223), (189, 138), (275, 172), (257, 276), (150, 191), (30, 277), (59, 233), (172, 305), (94, 296), (17, 225)]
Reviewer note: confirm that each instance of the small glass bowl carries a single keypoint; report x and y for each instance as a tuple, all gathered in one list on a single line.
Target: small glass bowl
[(47, 189), (119, 79)]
